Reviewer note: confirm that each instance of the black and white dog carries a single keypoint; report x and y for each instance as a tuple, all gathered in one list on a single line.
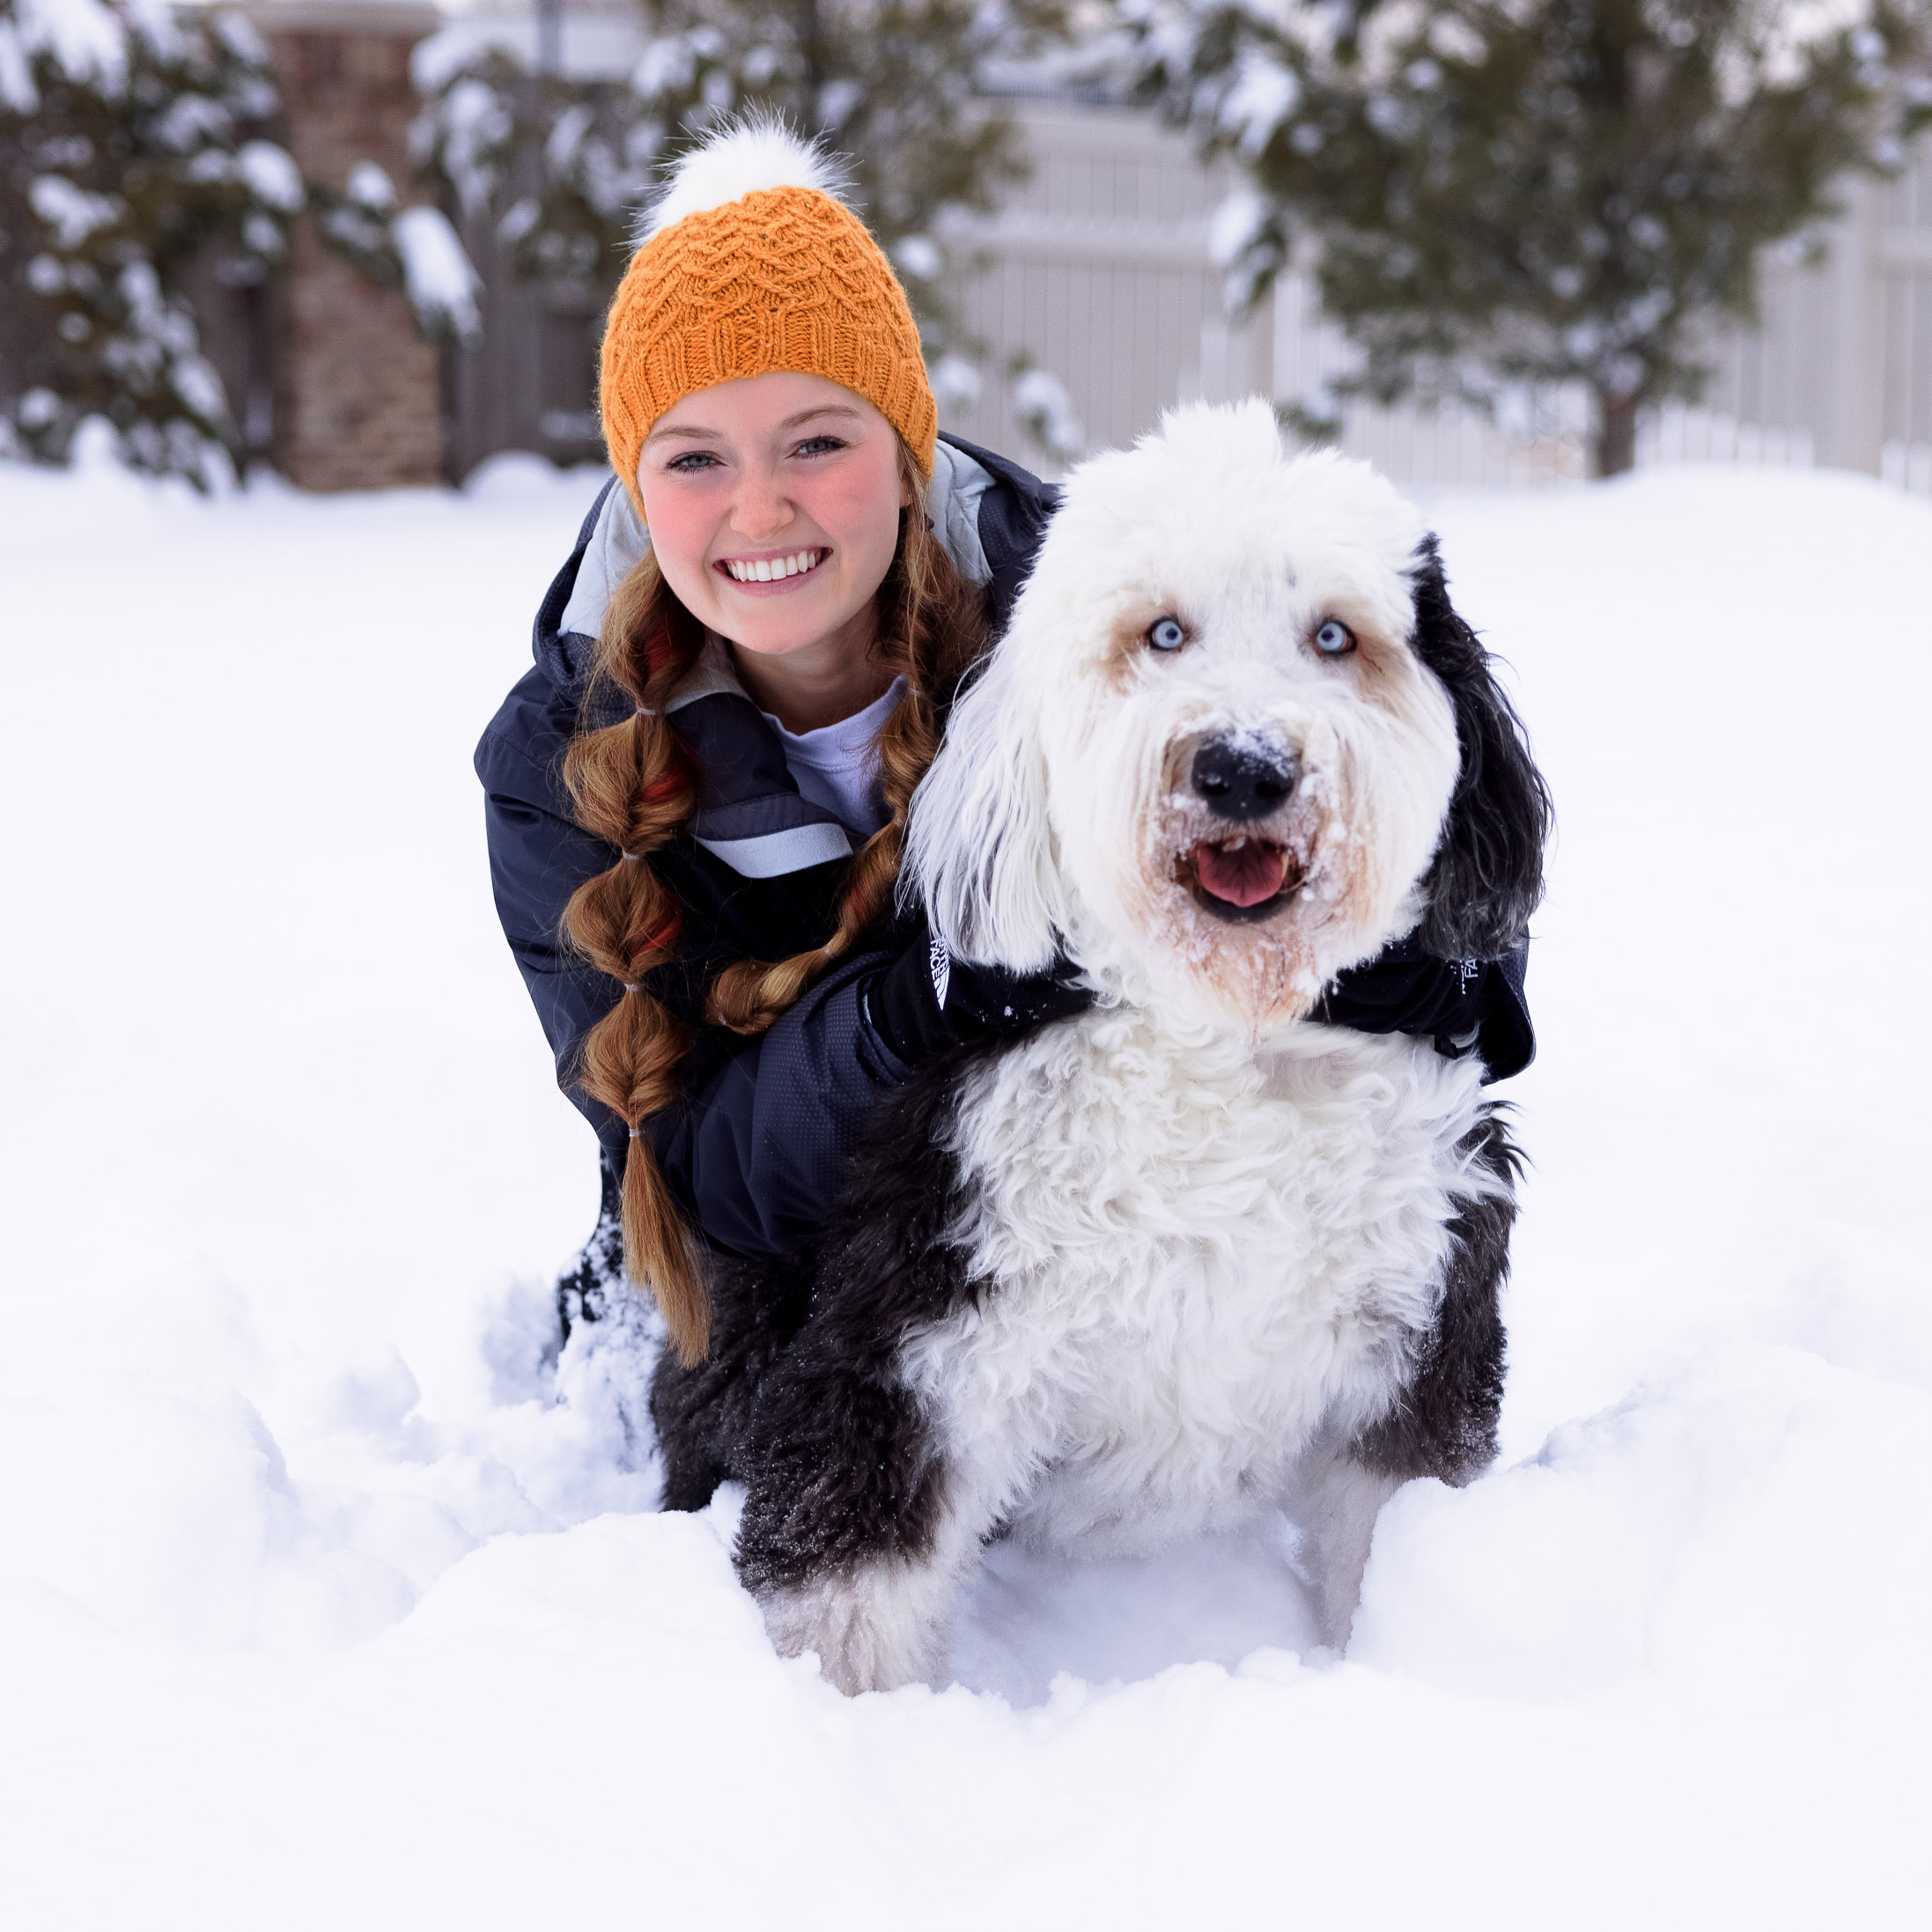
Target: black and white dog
[(1189, 1255)]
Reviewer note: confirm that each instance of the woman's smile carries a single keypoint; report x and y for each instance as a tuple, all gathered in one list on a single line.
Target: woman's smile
[(772, 572)]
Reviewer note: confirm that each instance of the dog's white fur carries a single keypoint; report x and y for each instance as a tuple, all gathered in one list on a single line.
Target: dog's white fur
[(1211, 1232)]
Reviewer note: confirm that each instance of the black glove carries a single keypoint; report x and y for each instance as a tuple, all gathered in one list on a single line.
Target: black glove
[(925, 1002), (1459, 1003)]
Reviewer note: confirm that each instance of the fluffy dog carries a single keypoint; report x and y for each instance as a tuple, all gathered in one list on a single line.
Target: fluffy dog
[(1190, 1255)]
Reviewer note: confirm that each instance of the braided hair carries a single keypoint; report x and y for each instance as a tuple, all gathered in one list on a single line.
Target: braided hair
[(632, 784)]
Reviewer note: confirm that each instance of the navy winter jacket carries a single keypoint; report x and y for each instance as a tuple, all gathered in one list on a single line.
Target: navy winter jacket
[(756, 1149)]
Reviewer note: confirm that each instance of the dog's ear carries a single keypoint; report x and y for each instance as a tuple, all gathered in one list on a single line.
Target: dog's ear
[(1486, 877), (979, 850)]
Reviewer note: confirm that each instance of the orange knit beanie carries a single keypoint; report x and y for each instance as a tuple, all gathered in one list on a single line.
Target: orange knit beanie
[(750, 262)]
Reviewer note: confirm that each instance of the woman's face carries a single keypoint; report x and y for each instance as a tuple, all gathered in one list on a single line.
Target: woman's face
[(773, 503)]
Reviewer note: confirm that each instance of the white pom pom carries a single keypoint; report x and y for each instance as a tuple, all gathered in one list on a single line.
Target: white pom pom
[(739, 158)]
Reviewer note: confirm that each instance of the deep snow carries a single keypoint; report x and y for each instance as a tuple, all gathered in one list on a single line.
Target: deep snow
[(329, 1600)]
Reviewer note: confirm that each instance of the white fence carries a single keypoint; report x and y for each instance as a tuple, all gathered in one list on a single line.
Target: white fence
[(1097, 270)]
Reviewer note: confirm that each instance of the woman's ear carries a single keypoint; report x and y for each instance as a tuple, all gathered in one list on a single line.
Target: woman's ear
[(979, 850), (1486, 877)]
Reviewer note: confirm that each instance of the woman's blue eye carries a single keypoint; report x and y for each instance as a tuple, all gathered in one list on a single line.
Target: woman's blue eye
[(692, 462), (1334, 639), (816, 446), (1166, 634)]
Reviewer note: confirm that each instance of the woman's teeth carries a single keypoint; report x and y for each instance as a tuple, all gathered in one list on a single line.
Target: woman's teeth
[(768, 569)]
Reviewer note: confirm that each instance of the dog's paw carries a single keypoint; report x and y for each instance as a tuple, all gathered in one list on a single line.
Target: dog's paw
[(875, 1628)]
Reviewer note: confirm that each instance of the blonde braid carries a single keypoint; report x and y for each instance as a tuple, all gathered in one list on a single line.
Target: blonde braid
[(630, 783)]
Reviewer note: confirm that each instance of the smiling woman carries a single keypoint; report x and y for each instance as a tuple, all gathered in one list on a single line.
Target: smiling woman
[(698, 799)]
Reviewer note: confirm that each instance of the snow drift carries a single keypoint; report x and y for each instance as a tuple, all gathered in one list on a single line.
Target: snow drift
[(332, 1596)]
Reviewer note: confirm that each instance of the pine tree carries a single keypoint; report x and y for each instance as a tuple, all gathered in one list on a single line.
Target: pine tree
[(888, 82), (133, 147), (131, 144), (1507, 192)]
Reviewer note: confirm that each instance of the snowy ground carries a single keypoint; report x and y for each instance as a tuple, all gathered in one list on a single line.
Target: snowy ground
[(329, 1602)]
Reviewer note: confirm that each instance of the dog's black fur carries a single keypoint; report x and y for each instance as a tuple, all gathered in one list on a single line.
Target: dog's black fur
[(1486, 877), (800, 1400), (1445, 1424)]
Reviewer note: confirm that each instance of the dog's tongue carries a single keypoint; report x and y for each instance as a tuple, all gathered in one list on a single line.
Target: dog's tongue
[(1243, 874)]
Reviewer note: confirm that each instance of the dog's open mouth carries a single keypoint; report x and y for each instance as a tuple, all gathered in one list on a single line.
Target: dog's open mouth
[(1242, 877)]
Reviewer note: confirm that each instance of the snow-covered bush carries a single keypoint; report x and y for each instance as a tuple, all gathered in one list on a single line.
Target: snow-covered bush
[(1513, 191), (131, 145), (1046, 413), (563, 167), (415, 249)]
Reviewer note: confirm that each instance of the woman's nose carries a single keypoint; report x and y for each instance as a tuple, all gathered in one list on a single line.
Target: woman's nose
[(762, 508)]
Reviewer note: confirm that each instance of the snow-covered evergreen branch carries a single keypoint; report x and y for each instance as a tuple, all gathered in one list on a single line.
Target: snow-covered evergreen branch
[(563, 165), (415, 249), (130, 144), (1514, 191)]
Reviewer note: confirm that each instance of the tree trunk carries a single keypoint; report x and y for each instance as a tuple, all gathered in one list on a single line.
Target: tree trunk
[(1616, 449), (814, 49)]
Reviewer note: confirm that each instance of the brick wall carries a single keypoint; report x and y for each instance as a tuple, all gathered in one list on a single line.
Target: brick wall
[(357, 396)]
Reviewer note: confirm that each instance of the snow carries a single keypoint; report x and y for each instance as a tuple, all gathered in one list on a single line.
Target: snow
[(71, 212), (17, 88), (328, 1600), (370, 187), (272, 176), (472, 123), (1239, 217), (87, 42), (592, 44), (1040, 402), (956, 383), (1262, 96), (919, 256), (442, 285)]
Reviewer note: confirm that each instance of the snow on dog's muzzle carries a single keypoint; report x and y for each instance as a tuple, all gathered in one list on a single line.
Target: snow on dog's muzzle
[(1242, 873)]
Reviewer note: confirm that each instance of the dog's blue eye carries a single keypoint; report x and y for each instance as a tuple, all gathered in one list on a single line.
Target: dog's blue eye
[(1334, 639), (1166, 634)]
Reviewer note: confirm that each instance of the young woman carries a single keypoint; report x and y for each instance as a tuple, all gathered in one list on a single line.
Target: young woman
[(696, 797)]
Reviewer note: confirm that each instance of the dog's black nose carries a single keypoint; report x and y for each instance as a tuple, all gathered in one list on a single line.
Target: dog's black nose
[(1243, 780)]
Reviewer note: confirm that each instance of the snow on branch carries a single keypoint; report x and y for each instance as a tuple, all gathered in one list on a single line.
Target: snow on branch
[(1046, 413), (1502, 191), (134, 143), (441, 283), (563, 163), (414, 249), (80, 41)]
